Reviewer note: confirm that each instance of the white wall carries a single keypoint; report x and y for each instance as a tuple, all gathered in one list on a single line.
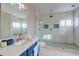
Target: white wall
[(33, 17), (0, 19), (37, 24), (4, 24), (76, 26), (65, 33)]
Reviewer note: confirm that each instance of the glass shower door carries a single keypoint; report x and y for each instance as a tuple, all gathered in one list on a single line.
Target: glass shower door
[(58, 29)]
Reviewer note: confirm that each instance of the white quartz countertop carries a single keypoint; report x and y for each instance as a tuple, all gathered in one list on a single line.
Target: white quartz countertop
[(16, 50)]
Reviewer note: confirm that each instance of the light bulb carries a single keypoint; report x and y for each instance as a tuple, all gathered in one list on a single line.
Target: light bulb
[(12, 4), (22, 5), (41, 22), (19, 8)]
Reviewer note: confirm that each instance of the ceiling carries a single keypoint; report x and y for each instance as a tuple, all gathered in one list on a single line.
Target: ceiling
[(13, 10), (44, 8)]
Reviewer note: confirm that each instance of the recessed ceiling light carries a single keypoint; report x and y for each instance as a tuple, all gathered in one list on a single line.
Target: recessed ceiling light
[(50, 16), (73, 5)]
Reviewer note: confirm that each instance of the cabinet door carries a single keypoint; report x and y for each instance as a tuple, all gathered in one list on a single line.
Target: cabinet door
[(36, 50), (31, 49), (24, 53), (31, 53)]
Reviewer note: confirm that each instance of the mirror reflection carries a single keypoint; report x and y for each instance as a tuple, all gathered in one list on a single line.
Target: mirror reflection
[(13, 19)]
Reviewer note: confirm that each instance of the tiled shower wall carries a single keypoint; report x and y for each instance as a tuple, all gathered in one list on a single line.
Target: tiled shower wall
[(76, 26), (0, 18), (64, 34)]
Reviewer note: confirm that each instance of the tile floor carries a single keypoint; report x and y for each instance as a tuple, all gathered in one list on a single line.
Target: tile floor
[(68, 50)]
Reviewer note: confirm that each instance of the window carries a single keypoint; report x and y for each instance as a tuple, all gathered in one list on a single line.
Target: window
[(47, 36), (16, 25), (65, 23), (24, 25), (76, 22), (68, 23), (62, 23)]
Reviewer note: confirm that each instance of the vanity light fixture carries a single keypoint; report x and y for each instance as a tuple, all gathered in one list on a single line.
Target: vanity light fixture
[(19, 8), (12, 4), (20, 5)]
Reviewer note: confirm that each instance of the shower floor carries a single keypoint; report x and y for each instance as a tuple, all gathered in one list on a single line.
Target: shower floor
[(56, 49)]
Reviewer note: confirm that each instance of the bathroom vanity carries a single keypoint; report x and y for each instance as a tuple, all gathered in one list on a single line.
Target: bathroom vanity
[(31, 51), (29, 48), (13, 30)]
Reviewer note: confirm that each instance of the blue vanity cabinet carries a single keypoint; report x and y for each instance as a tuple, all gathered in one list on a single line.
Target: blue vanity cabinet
[(30, 51), (24, 53)]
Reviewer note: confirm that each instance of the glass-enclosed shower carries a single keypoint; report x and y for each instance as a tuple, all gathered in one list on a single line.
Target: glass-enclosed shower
[(59, 30)]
